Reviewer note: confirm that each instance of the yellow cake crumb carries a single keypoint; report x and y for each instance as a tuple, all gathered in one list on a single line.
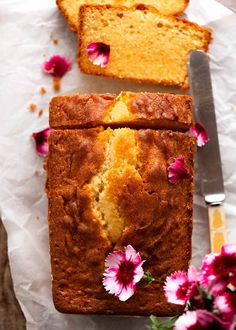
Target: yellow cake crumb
[(32, 107), (40, 113), (42, 91)]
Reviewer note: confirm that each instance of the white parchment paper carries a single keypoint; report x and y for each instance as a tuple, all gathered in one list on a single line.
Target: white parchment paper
[(26, 29)]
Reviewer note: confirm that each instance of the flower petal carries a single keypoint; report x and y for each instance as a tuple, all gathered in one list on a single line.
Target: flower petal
[(218, 286), (186, 321), (219, 270), (123, 270), (57, 66), (98, 53), (200, 133), (192, 274), (200, 320), (114, 259), (206, 270), (139, 273), (126, 293), (229, 249), (41, 141), (132, 255), (226, 304), (176, 288), (176, 171), (111, 285)]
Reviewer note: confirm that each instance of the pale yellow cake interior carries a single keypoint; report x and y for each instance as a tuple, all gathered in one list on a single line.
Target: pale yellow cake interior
[(121, 161), (120, 111), (144, 45), (71, 7)]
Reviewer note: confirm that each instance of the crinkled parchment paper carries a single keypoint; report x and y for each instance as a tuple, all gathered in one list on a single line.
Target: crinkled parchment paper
[(26, 29)]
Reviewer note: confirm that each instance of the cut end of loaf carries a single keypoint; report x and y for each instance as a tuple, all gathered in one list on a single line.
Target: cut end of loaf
[(145, 46)]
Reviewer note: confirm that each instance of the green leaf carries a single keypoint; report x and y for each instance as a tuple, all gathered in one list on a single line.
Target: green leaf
[(162, 325), (147, 277)]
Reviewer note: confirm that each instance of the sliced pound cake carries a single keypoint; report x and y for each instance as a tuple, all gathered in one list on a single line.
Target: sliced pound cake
[(70, 8), (138, 44)]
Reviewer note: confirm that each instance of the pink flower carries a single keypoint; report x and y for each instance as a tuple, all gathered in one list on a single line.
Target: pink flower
[(226, 305), (98, 53), (57, 66), (123, 271), (176, 171), (200, 133), (200, 320), (180, 286), (41, 140), (219, 270)]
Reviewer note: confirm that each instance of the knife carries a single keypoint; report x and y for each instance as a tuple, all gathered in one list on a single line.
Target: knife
[(212, 184)]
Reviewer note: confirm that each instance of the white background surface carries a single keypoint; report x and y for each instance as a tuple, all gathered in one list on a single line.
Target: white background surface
[(25, 28)]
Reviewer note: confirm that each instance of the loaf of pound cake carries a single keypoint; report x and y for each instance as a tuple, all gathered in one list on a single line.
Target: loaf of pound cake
[(70, 8), (108, 188), (138, 44)]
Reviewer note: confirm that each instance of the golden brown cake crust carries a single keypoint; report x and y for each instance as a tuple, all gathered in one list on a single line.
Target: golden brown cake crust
[(157, 215), (158, 110), (172, 107), (81, 110)]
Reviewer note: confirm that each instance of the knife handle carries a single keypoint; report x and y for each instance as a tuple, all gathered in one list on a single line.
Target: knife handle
[(217, 226)]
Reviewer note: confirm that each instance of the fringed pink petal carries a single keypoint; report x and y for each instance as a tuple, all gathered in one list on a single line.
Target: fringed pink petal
[(200, 133), (126, 293), (41, 141), (226, 304), (57, 66), (177, 171), (114, 259), (200, 320), (98, 53), (186, 321)]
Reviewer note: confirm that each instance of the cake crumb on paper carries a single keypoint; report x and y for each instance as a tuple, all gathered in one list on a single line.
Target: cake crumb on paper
[(36, 173), (53, 39), (56, 83), (42, 91), (32, 107), (40, 113)]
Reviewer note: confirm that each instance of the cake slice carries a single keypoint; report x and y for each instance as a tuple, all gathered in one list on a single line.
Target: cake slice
[(139, 110), (138, 44), (108, 188), (70, 8)]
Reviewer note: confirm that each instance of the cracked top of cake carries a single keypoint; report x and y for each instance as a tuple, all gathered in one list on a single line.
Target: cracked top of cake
[(137, 110)]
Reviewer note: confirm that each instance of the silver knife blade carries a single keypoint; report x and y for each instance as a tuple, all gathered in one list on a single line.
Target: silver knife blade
[(209, 160)]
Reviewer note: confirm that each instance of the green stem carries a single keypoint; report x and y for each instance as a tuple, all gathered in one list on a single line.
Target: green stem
[(149, 278)]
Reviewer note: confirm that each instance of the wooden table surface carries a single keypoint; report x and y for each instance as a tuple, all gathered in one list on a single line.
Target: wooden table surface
[(11, 316)]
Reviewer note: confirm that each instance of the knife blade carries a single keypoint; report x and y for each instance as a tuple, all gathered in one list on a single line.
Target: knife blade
[(209, 160)]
